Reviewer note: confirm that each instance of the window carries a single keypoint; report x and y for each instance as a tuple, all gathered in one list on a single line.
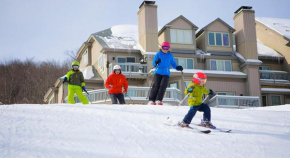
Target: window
[(220, 65), (101, 64), (126, 60), (218, 39), (173, 85), (186, 63), (264, 75), (276, 100), (85, 57), (181, 36)]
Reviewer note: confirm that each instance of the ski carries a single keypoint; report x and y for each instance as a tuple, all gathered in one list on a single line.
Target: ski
[(216, 129), (190, 128), (202, 131)]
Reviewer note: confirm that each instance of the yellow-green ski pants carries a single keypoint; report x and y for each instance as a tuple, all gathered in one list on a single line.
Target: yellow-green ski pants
[(72, 89)]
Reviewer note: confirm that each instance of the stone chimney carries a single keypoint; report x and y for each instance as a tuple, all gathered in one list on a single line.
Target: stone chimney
[(147, 26), (246, 40)]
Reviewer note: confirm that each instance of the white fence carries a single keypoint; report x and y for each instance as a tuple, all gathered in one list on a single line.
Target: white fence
[(234, 101), (134, 94)]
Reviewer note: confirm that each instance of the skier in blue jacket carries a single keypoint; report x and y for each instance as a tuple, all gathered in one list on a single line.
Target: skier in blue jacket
[(162, 62)]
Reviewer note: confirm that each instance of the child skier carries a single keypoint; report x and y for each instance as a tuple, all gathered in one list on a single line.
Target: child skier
[(162, 62), (196, 89), (117, 85), (76, 84)]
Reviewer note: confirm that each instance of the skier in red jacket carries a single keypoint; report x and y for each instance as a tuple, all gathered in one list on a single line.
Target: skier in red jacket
[(117, 85)]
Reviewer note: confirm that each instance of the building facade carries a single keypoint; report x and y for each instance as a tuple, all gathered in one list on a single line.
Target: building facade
[(240, 62)]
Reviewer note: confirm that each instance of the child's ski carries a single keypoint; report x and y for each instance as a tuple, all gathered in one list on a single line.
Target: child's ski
[(190, 128), (216, 129)]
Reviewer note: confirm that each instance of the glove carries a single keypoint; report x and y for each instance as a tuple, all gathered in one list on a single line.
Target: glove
[(179, 68), (190, 90), (64, 80), (157, 61), (211, 92), (125, 91), (84, 88)]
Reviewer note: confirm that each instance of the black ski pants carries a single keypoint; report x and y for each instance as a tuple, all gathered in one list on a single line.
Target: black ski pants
[(115, 97), (159, 86)]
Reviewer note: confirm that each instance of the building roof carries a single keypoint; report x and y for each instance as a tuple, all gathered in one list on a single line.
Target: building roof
[(281, 26), (218, 19), (265, 51), (180, 17), (118, 37)]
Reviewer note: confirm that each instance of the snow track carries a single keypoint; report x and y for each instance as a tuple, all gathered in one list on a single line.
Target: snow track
[(138, 131)]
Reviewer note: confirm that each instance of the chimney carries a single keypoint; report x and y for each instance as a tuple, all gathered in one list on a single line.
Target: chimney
[(246, 43), (246, 40), (147, 26)]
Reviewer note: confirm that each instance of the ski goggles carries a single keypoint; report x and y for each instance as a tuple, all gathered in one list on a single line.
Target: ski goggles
[(75, 66), (165, 48)]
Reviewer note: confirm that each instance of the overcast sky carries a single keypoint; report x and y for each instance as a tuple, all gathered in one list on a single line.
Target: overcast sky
[(45, 29)]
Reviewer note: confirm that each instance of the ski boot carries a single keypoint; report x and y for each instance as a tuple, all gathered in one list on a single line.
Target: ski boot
[(151, 103), (207, 124), (158, 102), (183, 124)]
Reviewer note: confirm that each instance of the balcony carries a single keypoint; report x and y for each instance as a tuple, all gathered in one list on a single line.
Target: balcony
[(274, 77), (234, 101), (135, 95), (131, 70)]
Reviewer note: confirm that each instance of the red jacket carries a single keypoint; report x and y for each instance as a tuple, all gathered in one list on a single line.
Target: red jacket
[(117, 82)]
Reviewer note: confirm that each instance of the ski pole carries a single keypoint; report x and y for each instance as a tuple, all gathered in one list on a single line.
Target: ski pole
[(178, 105), (88, 96), (152, 81), (62, 100), (183, 79), (129, 97)]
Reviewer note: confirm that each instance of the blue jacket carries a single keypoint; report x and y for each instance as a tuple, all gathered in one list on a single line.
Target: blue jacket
[(163, 67)]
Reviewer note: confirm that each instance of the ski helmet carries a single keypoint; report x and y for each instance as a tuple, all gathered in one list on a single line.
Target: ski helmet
[(75, 63), (165, 44), (197, 76), (117, 67)]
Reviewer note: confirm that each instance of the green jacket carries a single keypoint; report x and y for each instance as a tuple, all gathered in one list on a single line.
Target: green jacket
[(195, 98), (75, 78)]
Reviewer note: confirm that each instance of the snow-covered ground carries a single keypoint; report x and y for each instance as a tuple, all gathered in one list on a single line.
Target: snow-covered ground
[(109, 131)]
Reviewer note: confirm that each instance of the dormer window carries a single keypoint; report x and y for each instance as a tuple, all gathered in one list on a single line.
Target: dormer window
[(181, 36), (218, 39)]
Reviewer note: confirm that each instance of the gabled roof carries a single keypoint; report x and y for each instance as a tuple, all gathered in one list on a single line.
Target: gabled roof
[(180, 17), (281, 26), (218, 19)]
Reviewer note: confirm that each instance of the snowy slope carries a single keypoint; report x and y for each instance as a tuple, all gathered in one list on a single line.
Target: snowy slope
[(127, 131)]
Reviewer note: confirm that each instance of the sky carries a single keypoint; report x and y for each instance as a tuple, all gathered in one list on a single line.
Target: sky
[(140, 131), (45, 29)]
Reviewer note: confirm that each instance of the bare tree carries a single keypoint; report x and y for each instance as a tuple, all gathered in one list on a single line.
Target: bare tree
[(27, 81)]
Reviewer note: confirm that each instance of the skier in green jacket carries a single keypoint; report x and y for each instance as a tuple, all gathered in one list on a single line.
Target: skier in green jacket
[(76, 84), (196, 89)]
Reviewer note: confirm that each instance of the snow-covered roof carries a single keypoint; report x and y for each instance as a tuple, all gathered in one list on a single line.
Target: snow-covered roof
[(247, 60), (87, 72), (264, 50), (118, 37), (281, 26)]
